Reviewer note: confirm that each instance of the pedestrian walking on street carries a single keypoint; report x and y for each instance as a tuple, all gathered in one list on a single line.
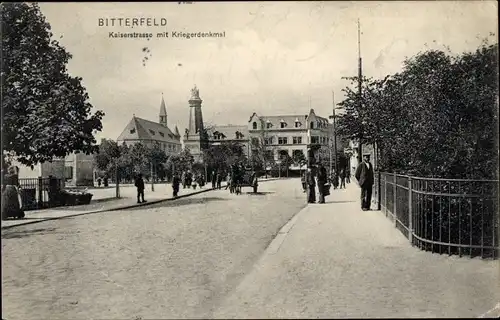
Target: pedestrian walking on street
[(228, 181), (364, 176), (99, 182), (219, 180), (348, 176), (322, 183), (335, 180), (214, 179), (342, 178), (184, 179), (139, 184), (303, 181), (176, 181), (311, 186), (11, 206)]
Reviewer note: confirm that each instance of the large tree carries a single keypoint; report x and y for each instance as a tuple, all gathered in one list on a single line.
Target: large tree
[(437, 117), (46, 112)]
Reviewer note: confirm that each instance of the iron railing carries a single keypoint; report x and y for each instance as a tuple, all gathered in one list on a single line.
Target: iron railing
[(39, 193), (452, 216)]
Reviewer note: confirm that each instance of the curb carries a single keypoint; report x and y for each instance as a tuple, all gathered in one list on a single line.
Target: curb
[(135, 205), (278, 240)]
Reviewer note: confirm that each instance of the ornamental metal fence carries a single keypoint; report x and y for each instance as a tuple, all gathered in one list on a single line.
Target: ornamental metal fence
[(39, 193), (450, 216)]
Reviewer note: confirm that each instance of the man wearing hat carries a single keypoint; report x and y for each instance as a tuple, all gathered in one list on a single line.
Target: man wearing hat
[(364, 176)]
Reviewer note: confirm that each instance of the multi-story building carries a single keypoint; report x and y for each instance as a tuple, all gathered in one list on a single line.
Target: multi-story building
[(290, 134), (149, 133), (220, 134)]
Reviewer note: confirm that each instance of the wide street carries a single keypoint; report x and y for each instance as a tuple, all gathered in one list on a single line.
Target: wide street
[(175, 259)]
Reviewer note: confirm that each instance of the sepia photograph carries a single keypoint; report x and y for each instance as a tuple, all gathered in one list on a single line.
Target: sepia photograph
[(250, 160)]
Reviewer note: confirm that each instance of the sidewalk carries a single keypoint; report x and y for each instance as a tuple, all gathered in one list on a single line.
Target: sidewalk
[(337, 261), (104, 200), (110, 203)]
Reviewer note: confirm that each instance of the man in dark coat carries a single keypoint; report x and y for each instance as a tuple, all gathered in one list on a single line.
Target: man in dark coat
[(219, 180), (176, 181), (311, 186), (364, 175), (342, 178), (322, 180), (139, 184)]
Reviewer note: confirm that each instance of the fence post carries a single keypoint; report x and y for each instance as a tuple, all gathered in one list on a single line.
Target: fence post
[(40, 193), (410, 211), (385, 194), (379, 195), (395, 199)]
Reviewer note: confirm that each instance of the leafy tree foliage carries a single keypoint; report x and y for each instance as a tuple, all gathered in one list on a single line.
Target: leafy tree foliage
[(437, 117), (221, 157), (46, 112), (130, 160), (299, 158), (178, 163)]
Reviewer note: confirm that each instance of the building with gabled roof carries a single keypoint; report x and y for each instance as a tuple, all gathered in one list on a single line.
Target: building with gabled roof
[(148, 132), (283, 135)]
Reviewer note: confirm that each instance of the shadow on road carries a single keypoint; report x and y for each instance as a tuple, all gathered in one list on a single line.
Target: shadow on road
[(258, 193), (94, 205), (340, 201), (177, 203), (26, 233)]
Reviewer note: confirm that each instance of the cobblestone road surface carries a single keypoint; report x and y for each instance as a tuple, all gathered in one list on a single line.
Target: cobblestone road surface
[(173, 260)]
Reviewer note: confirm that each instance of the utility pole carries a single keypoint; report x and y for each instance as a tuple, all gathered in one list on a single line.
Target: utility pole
[(360, 82), (334, 136), (334, 132)]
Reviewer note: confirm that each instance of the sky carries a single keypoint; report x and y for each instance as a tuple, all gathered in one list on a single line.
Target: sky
[(276, 57)]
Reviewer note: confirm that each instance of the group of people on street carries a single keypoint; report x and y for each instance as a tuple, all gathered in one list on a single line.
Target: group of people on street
[(318, 177), (217, 178)]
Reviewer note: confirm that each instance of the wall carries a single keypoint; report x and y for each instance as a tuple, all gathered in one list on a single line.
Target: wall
[(27, 172)]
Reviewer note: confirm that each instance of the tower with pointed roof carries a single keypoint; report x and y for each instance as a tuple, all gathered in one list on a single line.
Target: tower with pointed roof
[(194, 137), (151, 133), (163, 112)]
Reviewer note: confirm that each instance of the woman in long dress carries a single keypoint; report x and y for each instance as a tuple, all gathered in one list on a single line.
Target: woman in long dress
[(11, 207)]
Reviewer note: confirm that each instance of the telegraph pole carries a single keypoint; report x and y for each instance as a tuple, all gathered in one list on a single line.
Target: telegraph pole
[(360, 82), (334, 136), (334, 133)]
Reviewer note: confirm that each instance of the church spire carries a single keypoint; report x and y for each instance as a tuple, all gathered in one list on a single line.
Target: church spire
[(163, 112)]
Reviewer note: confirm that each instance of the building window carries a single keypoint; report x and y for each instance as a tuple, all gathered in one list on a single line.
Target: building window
[(254, 125), (314, 139), (269, 125), (162, 134), (268, 154), (296, 152), (297, 140), (282, 124), (68, 172), (282, 140), (283, 154), (152, 132), (297, 124), (312, 125), (132, 131), (255, 141)]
